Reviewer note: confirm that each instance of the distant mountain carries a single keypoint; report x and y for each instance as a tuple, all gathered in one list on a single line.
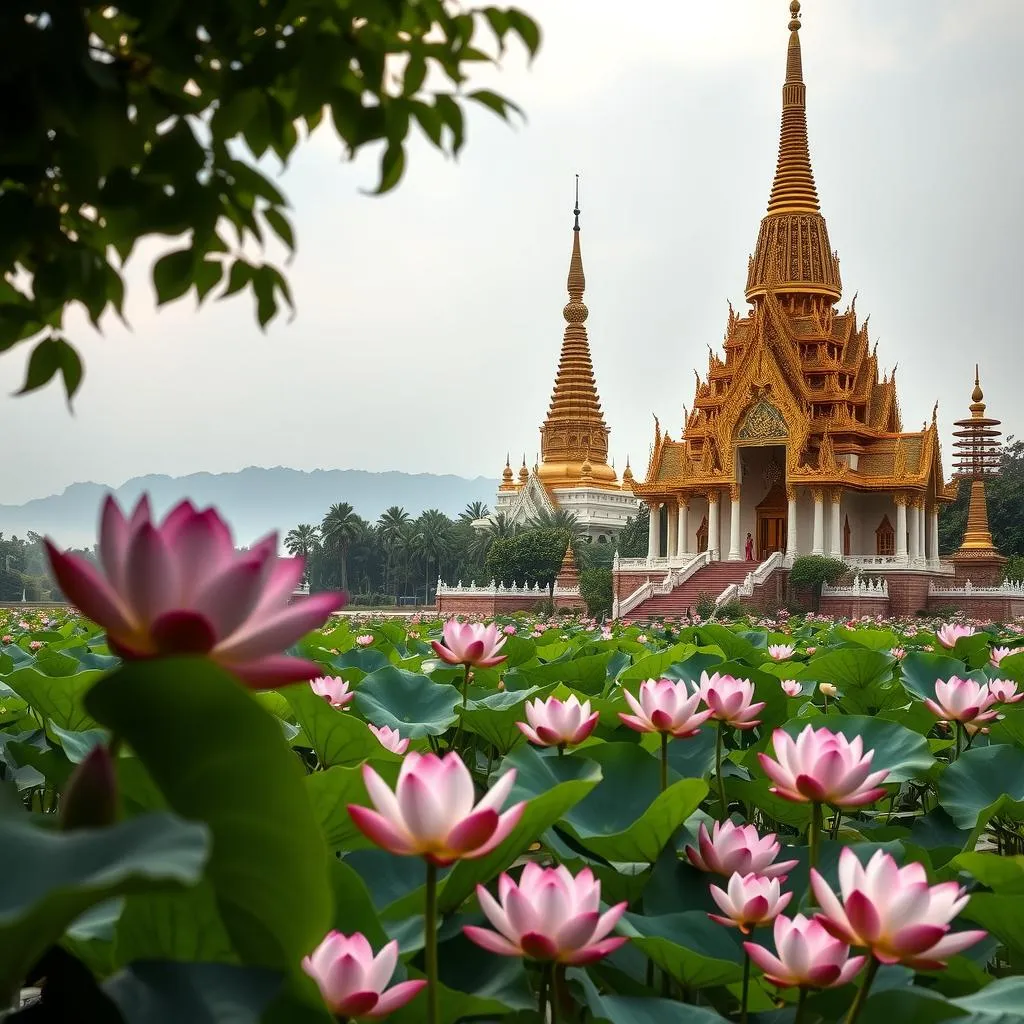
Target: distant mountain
[(254, 500)]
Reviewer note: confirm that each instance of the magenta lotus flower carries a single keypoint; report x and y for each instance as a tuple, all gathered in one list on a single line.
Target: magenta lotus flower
[(554, 723), (730, 700), (1004, 691), (822, 767), (893, 911), (807, 956), (433, 811), (365, 639), (749, 901), (948, 634), (790, 687), (732, 849), (549, 915), (470, 643), (780, 652), (353, 981), (509, 630), (998, 653), (961, 700), (181, 588), (898, 653), (665, 706), (390, 739), (333, 690)]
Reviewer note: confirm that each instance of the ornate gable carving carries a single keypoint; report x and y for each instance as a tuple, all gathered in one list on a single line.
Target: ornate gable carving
[(764, 422)]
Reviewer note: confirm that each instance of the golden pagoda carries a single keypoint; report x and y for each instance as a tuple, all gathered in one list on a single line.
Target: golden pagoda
[(794, 443), (573, 471)]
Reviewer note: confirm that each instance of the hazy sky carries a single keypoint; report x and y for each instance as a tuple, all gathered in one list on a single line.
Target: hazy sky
[(429, 321)]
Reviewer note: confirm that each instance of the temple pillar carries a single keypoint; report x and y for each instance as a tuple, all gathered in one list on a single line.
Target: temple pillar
[(682, 527), (672, 522), (791, 543), (734, 525), (901, 525), (836, 541), (818, 540), (714, 538), (654, 531), (915, 532), (922, 531), (933, 530)]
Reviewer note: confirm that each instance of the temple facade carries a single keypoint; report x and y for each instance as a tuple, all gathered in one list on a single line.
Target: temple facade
[(573, 472), (795, 443)]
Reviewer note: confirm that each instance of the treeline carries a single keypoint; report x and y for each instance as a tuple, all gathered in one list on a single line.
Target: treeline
[(24, 570)]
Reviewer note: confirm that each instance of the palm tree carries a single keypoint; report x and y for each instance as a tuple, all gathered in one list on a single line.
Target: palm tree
[(389, 528), (407, 545), (302, 542), (473, 511), (337, 531), (434, 529)]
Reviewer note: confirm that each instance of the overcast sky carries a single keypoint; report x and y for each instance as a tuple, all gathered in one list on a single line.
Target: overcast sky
[(429, 321)]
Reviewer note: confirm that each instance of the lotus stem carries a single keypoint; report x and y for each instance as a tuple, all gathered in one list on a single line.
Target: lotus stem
[(862, 992), (959, 731), (664, 761), (462, 717), (813, 842), (835, 822), (719, 745), (545, 981), (430, 944), (800, 1007), (746, 985)]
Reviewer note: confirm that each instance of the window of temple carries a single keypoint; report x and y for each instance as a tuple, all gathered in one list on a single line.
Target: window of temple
[(846, 536), (702, 535), (885, 538)]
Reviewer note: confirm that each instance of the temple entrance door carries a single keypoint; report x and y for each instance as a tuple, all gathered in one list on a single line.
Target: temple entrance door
[(702, 535), (771, 523)]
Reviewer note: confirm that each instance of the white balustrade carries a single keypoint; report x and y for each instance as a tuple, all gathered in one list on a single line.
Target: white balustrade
[(862, 588), (686, 566), (1008, 588)]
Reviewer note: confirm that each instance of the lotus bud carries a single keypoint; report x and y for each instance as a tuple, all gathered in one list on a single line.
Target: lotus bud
[(90, 797)]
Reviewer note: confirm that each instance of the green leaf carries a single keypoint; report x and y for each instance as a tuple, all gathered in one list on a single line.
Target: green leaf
[(408, 702), (921, 671), (337, 736), (654, 666), (904, 753), (353, 907), (58, 698), (239, 276), (1000, 873), (170, 993), (51, 878), (392, 166), (207, 276), (609, 1009), (552, 785), (526, 28), (848, 667), (873, 639), (626, 818), (279, 225), (1003, 999), (53, 355), (982, 783), (586, 674), (499, 104), (172, 274), (332, 791), (494, 717), (269, 863)]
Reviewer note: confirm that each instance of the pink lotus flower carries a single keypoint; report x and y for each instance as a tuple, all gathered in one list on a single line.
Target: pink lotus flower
[(810, 650), (961, 700), (365, 639), (509, 630), (808, 957), (893, 911), (749, 901), (665, 706), (948, 634), (791, 687), (822, 767), (181, 588), (432, 814), (352, 980), (549, 915), (828, 690), (643, 639), (34, 645), (998, 653), (1004, 691), (333, 690), (390, 739), (469, 643), (557, 724), (732, 849), (7, 639), (780, 652), (898, 653), (730, 700)]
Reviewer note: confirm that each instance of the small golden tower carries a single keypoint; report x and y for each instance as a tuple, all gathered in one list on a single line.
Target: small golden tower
[(978, 457), (524, 473), (507, 483), (568, 573)]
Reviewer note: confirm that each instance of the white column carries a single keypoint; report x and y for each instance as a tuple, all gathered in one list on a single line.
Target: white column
[(714, 540), (818, 541), (915, 533), (734, 529), (901, 526), (682, 528), (791, 542), (922, 531), (672, 524), (837, 529), (933, 529), (653, 532)]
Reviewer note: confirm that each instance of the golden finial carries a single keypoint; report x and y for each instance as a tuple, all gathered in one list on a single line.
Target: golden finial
[(524, 473), (506, 475), (794, 12), (935, 413), (977, 395), (575, 311)]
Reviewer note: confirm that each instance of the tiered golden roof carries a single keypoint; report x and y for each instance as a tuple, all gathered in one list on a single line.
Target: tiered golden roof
[(796, 371)]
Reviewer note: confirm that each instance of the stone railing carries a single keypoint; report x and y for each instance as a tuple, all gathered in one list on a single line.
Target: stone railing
[(674, 578), (1009, 588), (495, 589), (863, 587), (760, 575), (900, 562)]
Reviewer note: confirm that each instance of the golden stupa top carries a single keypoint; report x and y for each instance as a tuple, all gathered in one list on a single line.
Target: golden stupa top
[(574, 436), (793, 254)]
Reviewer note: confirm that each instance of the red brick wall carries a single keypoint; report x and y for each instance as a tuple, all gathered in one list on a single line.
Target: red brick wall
[(908, 591), (626, 581), (998, 609), (770, 596), (853, 607), (483, 605)]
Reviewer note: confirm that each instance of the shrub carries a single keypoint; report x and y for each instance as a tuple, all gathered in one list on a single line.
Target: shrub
[(811, 572), (596, 590), (705, 605), (730, 610)]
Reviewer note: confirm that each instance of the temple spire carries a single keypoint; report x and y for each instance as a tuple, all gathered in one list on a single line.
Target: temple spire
[(574, 432)]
